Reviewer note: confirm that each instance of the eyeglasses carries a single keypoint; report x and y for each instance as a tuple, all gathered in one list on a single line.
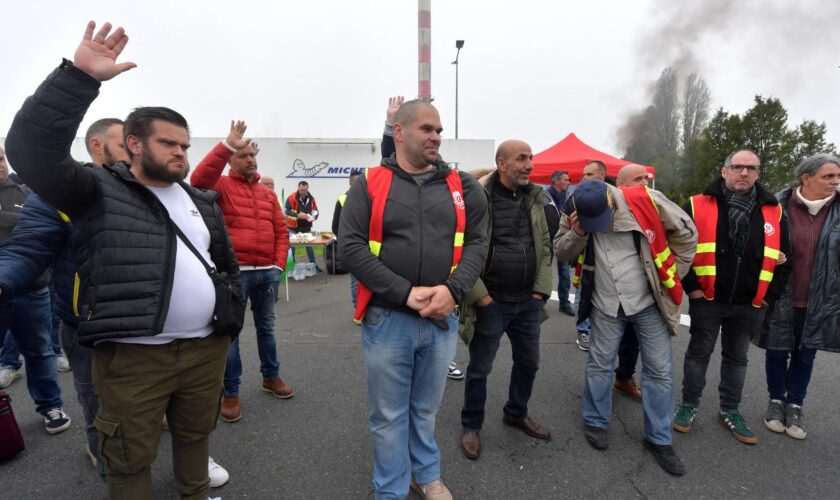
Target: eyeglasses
[(753, 169)]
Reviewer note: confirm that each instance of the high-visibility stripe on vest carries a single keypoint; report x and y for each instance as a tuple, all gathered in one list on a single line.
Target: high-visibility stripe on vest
[(342, 199), (704, 264), (646, 213), (578, 271), (379, 184)]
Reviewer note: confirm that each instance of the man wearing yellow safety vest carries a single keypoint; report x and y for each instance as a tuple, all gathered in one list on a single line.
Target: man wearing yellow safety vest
[(637, 245), (743, 234), (412, 232)]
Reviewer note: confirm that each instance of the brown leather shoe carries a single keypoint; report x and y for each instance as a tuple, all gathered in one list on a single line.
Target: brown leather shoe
[(279, 388), (628, 387), (471, 444), (530, 427), (231, 409)]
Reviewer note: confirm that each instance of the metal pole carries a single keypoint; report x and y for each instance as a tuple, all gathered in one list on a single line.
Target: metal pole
[(458, 45)]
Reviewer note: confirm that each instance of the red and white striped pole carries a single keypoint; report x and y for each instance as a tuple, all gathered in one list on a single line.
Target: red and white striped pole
[(424, 48)]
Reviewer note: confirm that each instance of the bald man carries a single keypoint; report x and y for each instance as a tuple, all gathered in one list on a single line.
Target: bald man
[(628, 351), (508, 296)]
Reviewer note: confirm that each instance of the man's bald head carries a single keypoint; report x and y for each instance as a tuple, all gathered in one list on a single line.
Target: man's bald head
[(632, 175), (595, 170), (407, 113), (267, 181)]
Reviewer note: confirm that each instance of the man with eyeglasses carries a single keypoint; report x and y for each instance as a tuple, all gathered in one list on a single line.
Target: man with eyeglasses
[(738, 270)]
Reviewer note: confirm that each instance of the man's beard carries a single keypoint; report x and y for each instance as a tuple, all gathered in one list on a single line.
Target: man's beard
[(158, 171)]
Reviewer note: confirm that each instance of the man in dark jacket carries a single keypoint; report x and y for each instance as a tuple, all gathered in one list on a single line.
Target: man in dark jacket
[(412, 233), (509, 295), (143, 288), (301, 212), (28, 317), (43, 238), (557, 192), (733, 277)]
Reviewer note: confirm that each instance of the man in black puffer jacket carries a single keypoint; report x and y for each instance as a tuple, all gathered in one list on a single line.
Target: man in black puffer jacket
[(147, 300), (509, 296)]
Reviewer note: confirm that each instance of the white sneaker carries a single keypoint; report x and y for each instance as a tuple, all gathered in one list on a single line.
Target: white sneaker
[(218, 475), (62, 363), (7, 376), (454, 373)]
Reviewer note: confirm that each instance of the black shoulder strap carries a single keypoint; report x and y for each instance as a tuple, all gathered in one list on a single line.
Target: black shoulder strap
[(210, 270)]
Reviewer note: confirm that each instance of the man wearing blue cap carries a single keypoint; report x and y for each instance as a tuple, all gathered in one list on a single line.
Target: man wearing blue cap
[(636, 245)]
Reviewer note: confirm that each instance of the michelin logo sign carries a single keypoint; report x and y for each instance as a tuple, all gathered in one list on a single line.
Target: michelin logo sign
[(321, 170)]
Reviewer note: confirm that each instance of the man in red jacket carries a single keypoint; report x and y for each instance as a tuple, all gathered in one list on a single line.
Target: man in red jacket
[(260, 238)]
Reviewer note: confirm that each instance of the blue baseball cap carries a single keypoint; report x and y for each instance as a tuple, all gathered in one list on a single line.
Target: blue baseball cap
[(591, 201)]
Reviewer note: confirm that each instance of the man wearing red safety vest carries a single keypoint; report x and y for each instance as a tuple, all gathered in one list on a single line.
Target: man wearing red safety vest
[(738, 269), (412, 232), (637, 245)]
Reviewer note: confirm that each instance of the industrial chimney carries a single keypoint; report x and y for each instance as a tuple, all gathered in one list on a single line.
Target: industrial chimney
[(424, 50)]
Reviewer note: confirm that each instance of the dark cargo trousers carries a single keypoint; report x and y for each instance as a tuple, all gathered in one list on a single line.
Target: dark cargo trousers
[(136, 385)]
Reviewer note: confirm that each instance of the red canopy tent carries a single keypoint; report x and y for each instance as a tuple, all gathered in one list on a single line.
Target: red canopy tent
[(571, 155)]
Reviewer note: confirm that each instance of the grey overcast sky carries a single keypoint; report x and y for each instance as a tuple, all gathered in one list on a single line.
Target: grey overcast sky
[(534, 70)]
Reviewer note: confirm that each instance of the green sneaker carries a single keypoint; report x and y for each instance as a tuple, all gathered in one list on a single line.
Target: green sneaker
[(736, 424), (684, 417)]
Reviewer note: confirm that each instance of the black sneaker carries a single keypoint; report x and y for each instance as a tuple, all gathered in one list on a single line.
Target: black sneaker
[(596, 437), (55, 421), (666, 457)]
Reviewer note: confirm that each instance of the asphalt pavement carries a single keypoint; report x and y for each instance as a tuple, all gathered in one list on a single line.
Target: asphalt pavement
[(317, 446)]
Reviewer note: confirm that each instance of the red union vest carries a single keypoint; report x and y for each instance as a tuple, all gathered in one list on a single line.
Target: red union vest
[(704, 264), (646, 213), (379, 184)]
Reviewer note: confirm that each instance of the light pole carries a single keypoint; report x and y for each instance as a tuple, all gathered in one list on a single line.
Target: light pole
[(458, 45)]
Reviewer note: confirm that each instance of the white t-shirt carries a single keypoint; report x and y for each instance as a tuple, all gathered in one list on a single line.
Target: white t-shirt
[(193, 297)]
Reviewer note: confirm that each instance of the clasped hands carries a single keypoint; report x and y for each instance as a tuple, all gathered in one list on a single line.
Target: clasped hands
[(435, 302)]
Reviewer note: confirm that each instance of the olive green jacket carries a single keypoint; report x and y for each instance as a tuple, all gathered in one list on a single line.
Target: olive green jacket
[(542, 241)]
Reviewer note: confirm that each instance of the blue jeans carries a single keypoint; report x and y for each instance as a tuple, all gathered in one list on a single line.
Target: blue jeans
[(657, 370), (628, 355), (10, 353), (522, 324), (564, 281), (406, 358), (354, 289), (31, 327), (788, 382), (260, 288), (55, 325), (585, 325)]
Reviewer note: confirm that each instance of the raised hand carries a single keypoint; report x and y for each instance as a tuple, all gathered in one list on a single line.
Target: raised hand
[(235, 138), (394, 104), (255, 148), (97, 55)]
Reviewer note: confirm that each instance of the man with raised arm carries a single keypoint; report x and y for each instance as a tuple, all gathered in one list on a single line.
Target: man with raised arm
[(258, 231), (148, 300)]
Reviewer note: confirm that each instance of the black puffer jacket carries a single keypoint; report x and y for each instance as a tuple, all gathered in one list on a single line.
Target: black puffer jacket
[(512, 261), (125, 245), (822, 320)]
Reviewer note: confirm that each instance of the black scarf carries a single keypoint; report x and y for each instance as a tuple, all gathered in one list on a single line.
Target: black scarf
[(741, 207)]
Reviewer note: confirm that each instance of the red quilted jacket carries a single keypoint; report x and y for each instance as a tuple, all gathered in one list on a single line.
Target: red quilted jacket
[(252, 212)]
